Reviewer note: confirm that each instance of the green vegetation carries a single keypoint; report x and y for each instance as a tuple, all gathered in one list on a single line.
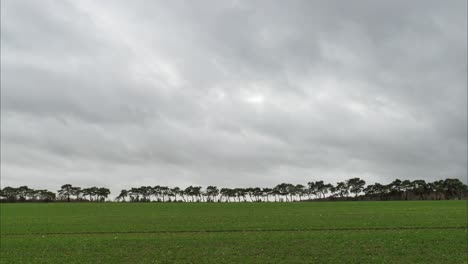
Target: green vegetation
[(322, 232), (351, 189)]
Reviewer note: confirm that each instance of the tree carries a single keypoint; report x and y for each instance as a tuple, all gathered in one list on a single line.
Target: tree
[(319, 188), (267, 192), (406, 187), (300, 190), (239, 192), (103, 193), (197, 192), (123, 194), (313, 188), (438, 188), (45, 195), (377, 190), (454, 188), (189, 192), (66, 190), (182, 194), (88, 191), (342, 189), (134, 194), (145, 192), (257, 193), (420, 188), (164, 191), (396, 187), (356, 185), (333, 190), (175, 191), (226, 193), (211, 193), (285, 189), (324, 188), (76, 191), (22, 193), (10, 193), (370, 190)]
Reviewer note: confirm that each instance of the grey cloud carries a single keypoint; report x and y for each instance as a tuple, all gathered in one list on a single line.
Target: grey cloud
[(232, 92)]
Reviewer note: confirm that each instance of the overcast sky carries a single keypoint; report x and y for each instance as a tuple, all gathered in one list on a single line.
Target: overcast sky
[(231, 93)]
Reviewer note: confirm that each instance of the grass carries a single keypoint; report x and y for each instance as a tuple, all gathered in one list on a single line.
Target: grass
[(322, 232)]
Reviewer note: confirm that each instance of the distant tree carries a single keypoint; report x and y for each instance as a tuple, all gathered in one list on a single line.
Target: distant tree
[(134, 194), (342, 189), (47, 196), (164, 192), (174, 192), (34, 195), (356, 185), (194, 192), (267, 192), (76, 191), (420, 188), (376, 190), (454, 188), (438, 188), (197, 192), (406, 187), (212, 192), (145, 192), (10, 193), (22, 193), (396, 187), (325, 189), (370, 190), (87, 192), (123, 194), (285, 190), (319, 189), (314, 188), (275, 192), (156, 192), (239, 193), (250, 192), (103, 193), (182, 194), (257, 193), (224, 192), (66, 190), (300, 190), (333, 190)]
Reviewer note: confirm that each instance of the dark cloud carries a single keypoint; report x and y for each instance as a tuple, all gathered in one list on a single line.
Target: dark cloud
[(232, 92)]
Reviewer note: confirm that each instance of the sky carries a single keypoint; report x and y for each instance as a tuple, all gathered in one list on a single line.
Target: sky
[(232, 93)]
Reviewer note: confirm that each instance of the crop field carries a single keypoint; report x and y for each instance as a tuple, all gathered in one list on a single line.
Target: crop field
[(308, 232)]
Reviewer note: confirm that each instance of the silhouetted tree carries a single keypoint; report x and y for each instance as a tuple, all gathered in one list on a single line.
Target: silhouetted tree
[(420, 188), (356, 185), (454, 188), (123, 194), (66, 190), (174, 192), (211, 192), (103, 193)]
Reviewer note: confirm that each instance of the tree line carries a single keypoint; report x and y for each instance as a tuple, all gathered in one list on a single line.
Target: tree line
[(66, 193), (351, 189)]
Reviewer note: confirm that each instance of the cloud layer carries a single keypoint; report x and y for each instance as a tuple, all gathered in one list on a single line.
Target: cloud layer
[(231, 93)]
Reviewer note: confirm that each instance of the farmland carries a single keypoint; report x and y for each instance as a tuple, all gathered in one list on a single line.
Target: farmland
[(324, 232)]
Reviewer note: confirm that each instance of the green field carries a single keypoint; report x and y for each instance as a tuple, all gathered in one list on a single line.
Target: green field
[(314, 232)]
